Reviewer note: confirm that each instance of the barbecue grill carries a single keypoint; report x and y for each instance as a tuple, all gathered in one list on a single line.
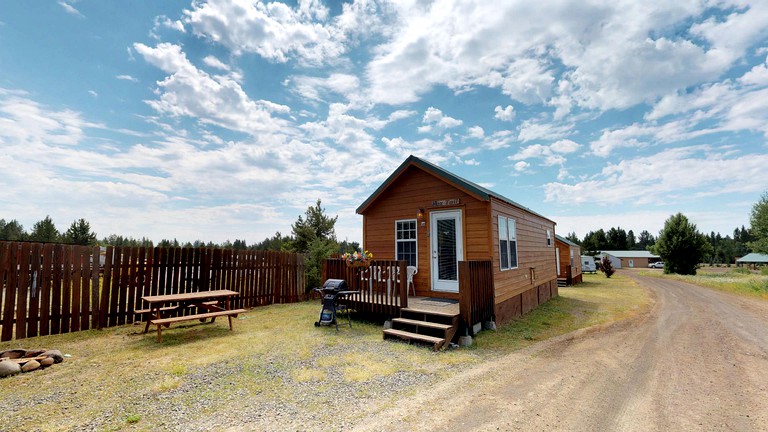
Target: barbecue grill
[(333, 290)]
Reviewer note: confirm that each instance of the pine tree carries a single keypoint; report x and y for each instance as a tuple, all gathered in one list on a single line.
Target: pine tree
[(44, 231), (80, 233)]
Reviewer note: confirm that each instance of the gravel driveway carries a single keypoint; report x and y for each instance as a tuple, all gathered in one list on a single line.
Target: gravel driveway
[(697, 361)]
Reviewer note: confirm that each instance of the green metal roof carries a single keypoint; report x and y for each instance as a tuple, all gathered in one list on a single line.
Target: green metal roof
[(566, 241), (753, 258), (471, 187)]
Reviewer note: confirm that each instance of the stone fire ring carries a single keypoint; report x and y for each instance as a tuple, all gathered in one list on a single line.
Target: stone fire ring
[(16, 361)]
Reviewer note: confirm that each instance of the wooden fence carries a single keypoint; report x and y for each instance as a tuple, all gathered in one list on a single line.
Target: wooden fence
[(476, 292), (56, 288)]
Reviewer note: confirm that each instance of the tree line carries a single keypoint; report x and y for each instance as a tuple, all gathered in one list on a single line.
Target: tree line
[(725, 249), (681, 245)]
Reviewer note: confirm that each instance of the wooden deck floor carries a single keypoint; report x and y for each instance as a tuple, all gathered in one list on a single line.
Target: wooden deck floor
[(431, 304)]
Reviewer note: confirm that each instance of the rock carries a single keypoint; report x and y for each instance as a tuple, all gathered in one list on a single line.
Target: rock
[(30, 366), (465, 341), (55, 355), (9, 368), (46, 362), (35, 352), (13, 354)]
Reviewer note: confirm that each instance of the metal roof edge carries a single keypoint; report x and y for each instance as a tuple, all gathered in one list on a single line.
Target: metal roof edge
[(470, 187)]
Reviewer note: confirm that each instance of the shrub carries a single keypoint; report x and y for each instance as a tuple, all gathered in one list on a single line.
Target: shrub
[(740, 270), (764, 270), (607, 267)]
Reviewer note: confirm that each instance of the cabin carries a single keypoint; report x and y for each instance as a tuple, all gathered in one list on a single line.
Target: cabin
[(630, 259), (460, 243), (568, 262)]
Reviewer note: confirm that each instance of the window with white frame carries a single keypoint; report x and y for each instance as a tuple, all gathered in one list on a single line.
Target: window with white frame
[(507, 243), (405, 242), (549, 238)]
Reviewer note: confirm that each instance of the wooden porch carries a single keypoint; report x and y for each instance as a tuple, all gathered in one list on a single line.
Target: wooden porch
[(383, 292)]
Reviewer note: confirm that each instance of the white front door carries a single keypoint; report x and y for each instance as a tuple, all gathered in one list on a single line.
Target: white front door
[(447, 249), (631, 263)]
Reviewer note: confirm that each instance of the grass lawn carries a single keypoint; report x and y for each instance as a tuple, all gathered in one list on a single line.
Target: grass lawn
[(734, 280), (274, 367)]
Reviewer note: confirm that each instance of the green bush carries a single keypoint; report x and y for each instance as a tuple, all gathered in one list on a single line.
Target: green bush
[(764, 270), (740, 270)]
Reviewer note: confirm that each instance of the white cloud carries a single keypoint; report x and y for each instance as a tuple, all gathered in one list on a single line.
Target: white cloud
[(316, 88), (673, 175), (69, 8), (522, 166), (504, 114), (498, 140), (476, 132), (274, 31), (609, 55), (436, 122), (93, 93), (534, 129), (538, 151), (127, 78), (216, 63), (189, 91), (564, 146)]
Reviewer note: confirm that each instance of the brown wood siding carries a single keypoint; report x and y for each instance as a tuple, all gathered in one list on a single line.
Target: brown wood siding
[(416, 189), (637, 262), (565, 258), (532, 252)]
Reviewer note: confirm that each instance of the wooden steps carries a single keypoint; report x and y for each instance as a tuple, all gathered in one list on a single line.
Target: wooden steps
[(430, 327), (562, 282)]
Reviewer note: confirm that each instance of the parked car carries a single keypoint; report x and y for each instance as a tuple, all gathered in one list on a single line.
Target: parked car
[(657, 264)]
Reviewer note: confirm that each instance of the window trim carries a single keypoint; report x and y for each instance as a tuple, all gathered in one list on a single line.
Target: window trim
[(511, 236), (549, 238), (415, 239)]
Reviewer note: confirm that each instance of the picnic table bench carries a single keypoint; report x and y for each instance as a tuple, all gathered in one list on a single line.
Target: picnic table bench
[(160, 307)]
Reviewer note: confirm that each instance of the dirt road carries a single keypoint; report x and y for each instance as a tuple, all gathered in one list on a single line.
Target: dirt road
[(697, 361)]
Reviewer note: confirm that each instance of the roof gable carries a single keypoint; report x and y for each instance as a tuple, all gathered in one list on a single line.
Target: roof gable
[(467, 186)]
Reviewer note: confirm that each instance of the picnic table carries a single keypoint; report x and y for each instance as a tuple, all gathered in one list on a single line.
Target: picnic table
[(216, 303)]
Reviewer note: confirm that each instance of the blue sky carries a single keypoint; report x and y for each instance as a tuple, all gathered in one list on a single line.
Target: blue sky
[(226, 119)]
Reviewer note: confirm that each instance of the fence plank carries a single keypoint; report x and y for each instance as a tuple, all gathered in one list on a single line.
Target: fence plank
[(77, 268), (59, 265), (95, 267), (35, 272), (9, 306), (106, 288), (47, 265), (85, 287)]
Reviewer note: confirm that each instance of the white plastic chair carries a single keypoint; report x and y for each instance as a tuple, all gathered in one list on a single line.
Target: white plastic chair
[(411, 271)]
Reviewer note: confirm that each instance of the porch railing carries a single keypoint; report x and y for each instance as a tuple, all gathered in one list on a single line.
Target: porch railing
[(476, 292), (382, 285)]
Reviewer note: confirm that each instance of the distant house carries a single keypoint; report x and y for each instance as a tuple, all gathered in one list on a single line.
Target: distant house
[(753, 260), (630, 259), (568, 261)]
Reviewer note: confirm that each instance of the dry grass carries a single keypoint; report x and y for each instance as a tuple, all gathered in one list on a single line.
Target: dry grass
[(597, 300), (120, 378), (736, 280)]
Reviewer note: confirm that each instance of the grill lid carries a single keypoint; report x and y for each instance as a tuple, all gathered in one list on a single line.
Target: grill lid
[(335, 285)]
